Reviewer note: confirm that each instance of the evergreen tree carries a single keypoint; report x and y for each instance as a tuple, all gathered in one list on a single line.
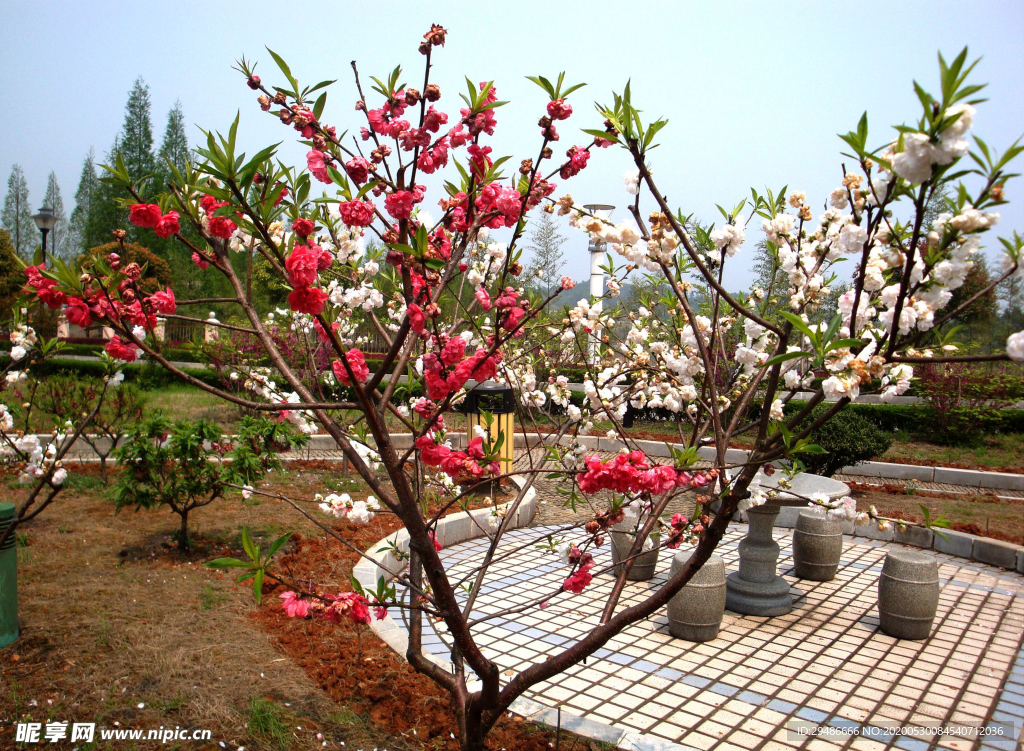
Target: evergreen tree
[(17, 214), (85, 199), (770, 279), (545, 270), (136, 146), (12, 277), (174, 148), (57, 243), (106, 214)]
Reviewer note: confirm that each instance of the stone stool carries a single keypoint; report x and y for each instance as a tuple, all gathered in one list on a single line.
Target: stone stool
[(817, 546), (622, 535), (908, 594), (695, 612)]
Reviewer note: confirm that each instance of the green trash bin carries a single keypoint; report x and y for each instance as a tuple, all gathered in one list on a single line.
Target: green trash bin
[(8, 580)]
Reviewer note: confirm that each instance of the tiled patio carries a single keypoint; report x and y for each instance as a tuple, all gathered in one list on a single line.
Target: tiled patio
[(825, 662)]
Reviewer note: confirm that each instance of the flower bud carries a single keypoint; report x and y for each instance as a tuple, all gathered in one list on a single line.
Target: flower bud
[(253, 82), (432, 92)]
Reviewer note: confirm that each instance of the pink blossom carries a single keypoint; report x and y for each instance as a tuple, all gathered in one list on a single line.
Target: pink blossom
[(294, 606), (317, 166), (222, 227), (162, 301), (302, 266), (483, 298), (559, 109), (358, 169), (578, 158), (303, 227), (358, 365), (399, 204), (309, 300), (579, 580), (146, 215), (78, 312), (433, 119), (119, 349), (168, 225), (356, 213)]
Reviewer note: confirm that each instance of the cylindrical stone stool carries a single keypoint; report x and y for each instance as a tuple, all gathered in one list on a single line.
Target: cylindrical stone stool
[(622, 536), (908, 594), (8, 580), (817, 547), (695, 612)]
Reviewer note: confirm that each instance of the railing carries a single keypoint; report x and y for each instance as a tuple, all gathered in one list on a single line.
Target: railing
[(375, 343), (180, 333), (85, 335)]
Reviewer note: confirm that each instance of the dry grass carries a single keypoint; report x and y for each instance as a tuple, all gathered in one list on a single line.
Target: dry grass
[(977, 514), (112, 619)]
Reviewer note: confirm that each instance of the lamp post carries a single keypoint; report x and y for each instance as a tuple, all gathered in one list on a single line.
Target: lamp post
[(45, 220), (498, 400), (597, 251)]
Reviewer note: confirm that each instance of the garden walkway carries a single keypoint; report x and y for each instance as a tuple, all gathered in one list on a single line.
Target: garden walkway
[(826, 663)]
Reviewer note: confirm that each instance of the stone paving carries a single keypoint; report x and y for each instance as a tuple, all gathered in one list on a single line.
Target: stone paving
[(933, 487), (824, 662)]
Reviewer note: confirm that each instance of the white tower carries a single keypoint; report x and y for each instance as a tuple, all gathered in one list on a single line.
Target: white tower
[(597, 252)]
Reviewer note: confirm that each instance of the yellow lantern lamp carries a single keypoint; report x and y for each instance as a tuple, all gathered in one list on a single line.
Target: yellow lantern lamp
[(491, 405)]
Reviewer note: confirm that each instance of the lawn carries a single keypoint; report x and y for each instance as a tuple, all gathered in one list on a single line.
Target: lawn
[(118, 627)]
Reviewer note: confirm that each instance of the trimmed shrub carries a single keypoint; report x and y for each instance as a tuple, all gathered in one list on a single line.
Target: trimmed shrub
[(848, 438)]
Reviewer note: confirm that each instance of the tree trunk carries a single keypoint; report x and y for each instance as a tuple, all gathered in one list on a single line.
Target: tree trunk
[(471, 731), (183, 532)]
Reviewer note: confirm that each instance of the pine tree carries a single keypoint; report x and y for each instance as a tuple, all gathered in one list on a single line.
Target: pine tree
[(58, 242), (17, 214), (770, 279), (174, 148), (106, 214), (545, 270), (136, 146), (85, 199)]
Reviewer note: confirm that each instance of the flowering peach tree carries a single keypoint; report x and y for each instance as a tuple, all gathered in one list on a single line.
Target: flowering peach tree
[(37, 458), (445, 295)]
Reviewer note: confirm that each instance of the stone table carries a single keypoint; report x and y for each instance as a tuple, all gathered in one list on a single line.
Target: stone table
[(756, 588)]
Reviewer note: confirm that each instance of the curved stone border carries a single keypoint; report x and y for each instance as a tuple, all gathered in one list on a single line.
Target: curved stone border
[(450, 530), (458, 528)]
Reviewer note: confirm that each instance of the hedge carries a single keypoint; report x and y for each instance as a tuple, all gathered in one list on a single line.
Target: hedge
[(146, 375), (916, 418), (177, 354)]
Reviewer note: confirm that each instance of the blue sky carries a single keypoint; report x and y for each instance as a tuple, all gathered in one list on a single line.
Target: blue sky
[(755, 92)]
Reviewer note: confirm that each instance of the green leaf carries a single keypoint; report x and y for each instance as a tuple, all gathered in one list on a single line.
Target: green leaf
[(784, 357), (227, 563), (284, 68), (278, 543), (257, 586), (318, 106), (250, 547), (799, 324)]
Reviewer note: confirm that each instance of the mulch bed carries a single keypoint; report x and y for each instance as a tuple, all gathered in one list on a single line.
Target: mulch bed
[(357, 669)]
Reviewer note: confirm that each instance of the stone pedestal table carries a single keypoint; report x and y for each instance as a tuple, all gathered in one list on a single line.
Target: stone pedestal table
[(757, 588)]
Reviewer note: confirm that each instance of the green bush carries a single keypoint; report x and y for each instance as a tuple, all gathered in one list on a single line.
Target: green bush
[(916, 418), (146, 375), (848, 438), (187, 464)]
